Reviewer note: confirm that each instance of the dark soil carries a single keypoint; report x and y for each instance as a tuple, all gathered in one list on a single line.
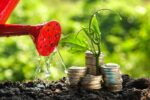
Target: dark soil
[(133, 89)]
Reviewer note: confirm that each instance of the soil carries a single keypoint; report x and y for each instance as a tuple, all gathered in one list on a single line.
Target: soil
[(133, 89)]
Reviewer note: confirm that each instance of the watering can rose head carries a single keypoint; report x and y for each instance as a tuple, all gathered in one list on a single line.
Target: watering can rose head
[(48, 38)]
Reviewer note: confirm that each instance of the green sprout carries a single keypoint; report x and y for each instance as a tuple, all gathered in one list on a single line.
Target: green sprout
[(91, 39)]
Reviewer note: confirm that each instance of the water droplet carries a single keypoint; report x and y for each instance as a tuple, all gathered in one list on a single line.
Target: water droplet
[(38, 68), (62, 61), (66, 71), (47, 74), (47, 66)]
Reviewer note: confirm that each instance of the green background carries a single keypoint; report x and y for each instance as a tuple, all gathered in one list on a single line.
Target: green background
[(126, 41)]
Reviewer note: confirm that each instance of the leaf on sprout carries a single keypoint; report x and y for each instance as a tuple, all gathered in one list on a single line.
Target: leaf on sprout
[(75, 43), (95, 25)]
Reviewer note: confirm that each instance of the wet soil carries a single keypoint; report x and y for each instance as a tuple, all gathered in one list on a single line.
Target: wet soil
[(133, 89)]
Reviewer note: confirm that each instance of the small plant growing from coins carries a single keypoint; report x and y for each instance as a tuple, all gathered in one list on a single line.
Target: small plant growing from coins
[(90, 40), (94, 35)]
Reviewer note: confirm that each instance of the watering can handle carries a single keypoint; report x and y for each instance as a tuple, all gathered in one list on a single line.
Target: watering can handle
[(6, 7)]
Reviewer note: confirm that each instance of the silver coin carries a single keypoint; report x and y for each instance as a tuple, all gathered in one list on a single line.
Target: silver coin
[(114, 76)]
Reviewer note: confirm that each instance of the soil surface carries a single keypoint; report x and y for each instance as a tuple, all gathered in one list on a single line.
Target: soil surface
[(133, 89)]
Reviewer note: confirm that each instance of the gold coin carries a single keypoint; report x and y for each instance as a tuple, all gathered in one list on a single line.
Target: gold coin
[(91, 80), (76, 71), (91, 70), (76, 74), (90, 83), (90, 61), (89, 54), (74, 80), (115, 88), (92, 86), (93, 77)]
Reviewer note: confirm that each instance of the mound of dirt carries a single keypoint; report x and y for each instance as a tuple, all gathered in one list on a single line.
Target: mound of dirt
[(133, 89)]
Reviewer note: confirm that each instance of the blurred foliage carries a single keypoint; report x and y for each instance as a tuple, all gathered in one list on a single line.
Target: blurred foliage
[(126, 42)]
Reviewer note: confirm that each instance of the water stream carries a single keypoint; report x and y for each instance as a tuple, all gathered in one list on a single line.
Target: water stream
[(62, 62), (45, 63)]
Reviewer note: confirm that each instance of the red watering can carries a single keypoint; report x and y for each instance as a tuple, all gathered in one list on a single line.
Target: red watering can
[(45, 36), (6, 7)]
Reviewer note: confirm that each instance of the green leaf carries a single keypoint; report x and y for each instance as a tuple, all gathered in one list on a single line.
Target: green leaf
[(75, 43), (95, 25)]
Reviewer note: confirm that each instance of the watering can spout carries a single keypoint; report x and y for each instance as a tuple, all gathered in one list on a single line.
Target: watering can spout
[(7, 30), (45, 36)]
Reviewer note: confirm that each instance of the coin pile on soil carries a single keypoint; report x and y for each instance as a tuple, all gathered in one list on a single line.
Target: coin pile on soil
[(90, 63), (75, 74), (91, 82), (112, 77), (133, 89)]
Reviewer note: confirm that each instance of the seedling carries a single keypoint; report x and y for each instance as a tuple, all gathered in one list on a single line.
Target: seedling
[(90, 41)]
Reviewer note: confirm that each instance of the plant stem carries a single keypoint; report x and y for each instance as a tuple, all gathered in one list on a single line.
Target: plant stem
[(97, 65)]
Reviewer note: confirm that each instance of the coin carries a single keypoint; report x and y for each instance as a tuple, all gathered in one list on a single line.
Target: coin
[(101, 59), (93, 77), (90, 61), (91, 69), (115, 88), (108, 83), (89, 58), (112, 76), (75, 74), (89, 54), (91, 81), (74, 81), (112, 65), (92, 86), (75, 68), (109, 69)]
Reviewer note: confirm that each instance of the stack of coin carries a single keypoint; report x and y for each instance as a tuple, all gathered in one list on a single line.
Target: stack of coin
[(75, 74), (101, 59), (112, 77), (91, 82), (90, 62)]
